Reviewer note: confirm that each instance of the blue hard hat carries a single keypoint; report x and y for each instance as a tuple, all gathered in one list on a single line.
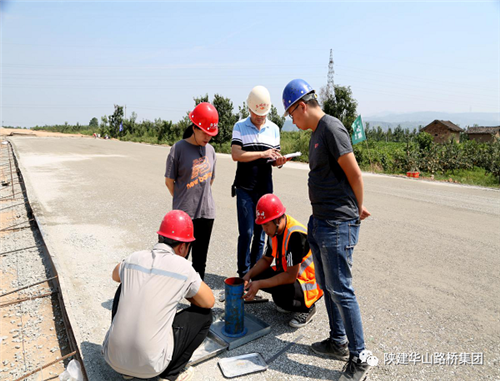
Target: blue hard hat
[(294, 91)]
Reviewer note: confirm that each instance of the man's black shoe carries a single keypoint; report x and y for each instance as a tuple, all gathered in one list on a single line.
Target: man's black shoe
[(354, 370), (329, 348), (300, 319)]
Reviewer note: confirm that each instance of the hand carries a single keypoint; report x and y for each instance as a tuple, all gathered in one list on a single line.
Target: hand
[(246, 278), (252, 288), (272, 154), (364, 213), (281, 160)]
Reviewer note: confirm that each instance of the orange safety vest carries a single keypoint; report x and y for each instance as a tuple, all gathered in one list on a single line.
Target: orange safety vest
[(306, 275)]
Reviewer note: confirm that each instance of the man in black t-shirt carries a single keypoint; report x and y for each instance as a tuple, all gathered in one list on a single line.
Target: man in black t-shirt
[(291, 281), (336, 193)]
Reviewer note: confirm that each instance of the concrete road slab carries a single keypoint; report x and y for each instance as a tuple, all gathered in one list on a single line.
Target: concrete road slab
[(425, 269)]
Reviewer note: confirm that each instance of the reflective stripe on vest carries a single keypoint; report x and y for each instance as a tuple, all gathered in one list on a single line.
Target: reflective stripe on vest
[(304, 265), (308, 286)]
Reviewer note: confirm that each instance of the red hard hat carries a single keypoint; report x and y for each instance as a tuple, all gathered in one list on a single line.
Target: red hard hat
[(269, 207), (206, 117), (177, 225)]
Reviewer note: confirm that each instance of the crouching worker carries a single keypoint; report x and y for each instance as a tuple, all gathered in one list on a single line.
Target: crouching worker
[(148, 337), (291, 281)]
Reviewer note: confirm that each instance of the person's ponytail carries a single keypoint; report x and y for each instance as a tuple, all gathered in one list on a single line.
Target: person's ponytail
[(188, 132)]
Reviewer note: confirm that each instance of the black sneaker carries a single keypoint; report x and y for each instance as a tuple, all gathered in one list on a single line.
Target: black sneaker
[(329, 348), (354, 370), (301, 319)]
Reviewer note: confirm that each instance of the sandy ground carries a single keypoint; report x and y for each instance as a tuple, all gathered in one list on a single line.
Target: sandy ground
[(425, 269), (33, 133)]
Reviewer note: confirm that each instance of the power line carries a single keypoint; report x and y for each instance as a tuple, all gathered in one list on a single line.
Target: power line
[(352, 82), (90, 76), (370, 56), (204, 66)]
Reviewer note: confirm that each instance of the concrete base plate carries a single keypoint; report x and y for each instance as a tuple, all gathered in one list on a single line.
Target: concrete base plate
[(211, 347), (255, 328)]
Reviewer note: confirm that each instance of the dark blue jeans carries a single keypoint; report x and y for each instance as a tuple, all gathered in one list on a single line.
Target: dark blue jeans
[(332, 243), (249, 231)]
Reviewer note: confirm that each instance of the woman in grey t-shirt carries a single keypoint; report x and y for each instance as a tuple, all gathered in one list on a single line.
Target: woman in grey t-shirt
[(189, 175)]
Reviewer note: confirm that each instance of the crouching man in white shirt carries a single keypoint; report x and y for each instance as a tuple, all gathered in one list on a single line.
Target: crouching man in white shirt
[(147, 337)]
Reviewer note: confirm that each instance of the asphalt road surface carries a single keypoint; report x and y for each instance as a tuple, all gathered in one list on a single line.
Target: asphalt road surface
[(425, 269)]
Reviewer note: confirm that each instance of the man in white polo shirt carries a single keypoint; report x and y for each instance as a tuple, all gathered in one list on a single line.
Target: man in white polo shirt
[(147, 337), (255, 140)]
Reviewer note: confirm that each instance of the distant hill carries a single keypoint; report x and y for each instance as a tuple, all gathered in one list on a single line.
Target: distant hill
[(289, 126), (415, 119)]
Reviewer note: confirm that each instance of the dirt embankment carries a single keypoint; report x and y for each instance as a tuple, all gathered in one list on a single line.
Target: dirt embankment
[(23, 132)]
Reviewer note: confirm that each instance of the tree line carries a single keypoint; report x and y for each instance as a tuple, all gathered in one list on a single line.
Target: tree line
[(162, 131), (392, 151)]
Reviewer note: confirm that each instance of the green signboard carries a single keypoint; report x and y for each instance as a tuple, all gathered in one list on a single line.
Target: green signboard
[(358, 131)]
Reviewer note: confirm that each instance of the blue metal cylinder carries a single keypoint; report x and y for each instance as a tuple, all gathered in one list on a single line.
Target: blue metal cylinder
[(235, 308)]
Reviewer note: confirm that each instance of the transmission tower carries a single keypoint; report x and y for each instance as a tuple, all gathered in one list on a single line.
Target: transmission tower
[(330, 88)]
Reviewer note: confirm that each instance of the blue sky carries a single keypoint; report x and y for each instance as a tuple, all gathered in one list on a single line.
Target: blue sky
[(70, 61)]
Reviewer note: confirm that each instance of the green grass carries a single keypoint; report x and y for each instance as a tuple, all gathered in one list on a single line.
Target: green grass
[(297, 141), (476, 176)]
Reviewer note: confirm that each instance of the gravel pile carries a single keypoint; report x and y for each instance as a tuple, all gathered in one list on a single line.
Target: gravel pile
[(28, 340)]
